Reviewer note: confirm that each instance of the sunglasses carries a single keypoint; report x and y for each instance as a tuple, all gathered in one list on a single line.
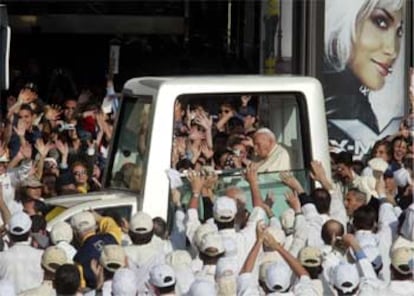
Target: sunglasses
[(79, 173), (224, 111)]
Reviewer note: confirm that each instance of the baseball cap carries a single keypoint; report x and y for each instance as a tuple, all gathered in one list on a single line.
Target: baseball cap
[(20, 223), (61, 231), (249, 110), (178, 259), (400, 259), (287, 219), (83, 221), (378, 164), (125, 282), (346, 277), (202, 287), (310, 257), (278, 275), (212, 245), (53, 257), (161, 276), (32, 182), (112, 257), (202, 230), (402, 177), (224, 209), (277, 233), (141, 223), (226, 266)]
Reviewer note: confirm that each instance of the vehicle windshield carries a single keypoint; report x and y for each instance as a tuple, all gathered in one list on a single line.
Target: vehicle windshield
[(129, 148), (217, 133)]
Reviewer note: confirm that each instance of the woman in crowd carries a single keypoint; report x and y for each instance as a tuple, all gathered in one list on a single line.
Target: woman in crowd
[(362, 44)]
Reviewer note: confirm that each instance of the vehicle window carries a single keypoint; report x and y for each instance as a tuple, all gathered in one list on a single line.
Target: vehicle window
[(116, 212), (225, 133), (125, 169)]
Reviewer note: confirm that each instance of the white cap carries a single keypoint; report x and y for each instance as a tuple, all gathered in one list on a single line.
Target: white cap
[(61, 231), (224, 209), (53, 257), (287, 219), (378, 164), (202, 230), (310, 256), (402, 177), (278, 276), (141, 223), (401, 259), (202, 287), (162, 275), (212, 245), (278, 234), (345, 277), (83, 221), (112, 257), (125, 282), (178, 259), (226, 266), (20, 223)]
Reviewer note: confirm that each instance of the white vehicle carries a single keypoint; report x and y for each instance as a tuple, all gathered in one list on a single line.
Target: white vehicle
[(292, 107), (141, 149)]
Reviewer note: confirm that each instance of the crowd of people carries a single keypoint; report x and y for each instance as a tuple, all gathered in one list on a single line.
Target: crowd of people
[(353, 235)]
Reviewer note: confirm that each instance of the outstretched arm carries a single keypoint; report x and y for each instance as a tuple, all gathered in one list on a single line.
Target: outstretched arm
[(293, 263)]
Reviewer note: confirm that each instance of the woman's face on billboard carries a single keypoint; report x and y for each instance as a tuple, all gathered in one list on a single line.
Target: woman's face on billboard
[(376, 46)]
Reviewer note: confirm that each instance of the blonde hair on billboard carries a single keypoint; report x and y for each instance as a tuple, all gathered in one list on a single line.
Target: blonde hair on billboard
[(341, 19)]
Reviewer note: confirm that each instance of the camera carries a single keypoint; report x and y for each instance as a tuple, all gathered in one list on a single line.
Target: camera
[(66, 127)]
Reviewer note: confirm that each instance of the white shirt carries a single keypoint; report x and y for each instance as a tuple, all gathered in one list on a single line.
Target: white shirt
[(277, 160), (45, 289), (68, 248), (143, 254), (248, 286), (244, 239), (21, 264)]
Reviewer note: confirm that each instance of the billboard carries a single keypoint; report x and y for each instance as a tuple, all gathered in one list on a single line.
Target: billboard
[(363, 71)]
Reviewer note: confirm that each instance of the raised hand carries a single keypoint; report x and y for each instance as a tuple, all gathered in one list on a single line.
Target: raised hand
[(289, 180), (42, 148), (250, 173), (204, 120), (206, 151), (293, 200), (62, 147), (20, 129), (196, 180), (53, 112), (26, 150), (26, 96), (245, 100), (260, 230)]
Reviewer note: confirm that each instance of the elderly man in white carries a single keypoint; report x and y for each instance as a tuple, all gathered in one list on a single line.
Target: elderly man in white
[(271, 155)]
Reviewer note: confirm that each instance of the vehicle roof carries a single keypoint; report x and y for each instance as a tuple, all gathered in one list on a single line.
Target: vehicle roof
[(220, 83)]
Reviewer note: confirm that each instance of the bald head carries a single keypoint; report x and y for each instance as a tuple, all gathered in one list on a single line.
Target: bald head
[(331, 229)]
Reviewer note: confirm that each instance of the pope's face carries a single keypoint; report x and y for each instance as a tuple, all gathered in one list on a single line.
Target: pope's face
[(376, 47)]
